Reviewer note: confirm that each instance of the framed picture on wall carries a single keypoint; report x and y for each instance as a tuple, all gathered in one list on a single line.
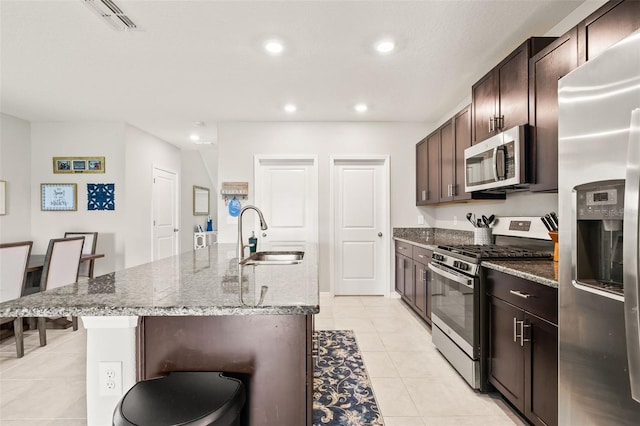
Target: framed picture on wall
[(78, 164), (59, 196)]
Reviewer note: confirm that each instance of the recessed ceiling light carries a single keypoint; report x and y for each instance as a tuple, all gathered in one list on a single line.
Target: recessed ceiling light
[(290, 108), (194, 137), (274, 47), (361, 107), (385, 46)]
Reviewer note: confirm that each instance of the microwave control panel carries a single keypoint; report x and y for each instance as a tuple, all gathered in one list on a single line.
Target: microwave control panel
[(600, 202)]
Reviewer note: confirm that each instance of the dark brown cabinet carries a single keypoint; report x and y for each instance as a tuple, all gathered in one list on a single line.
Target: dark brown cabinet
[(609, 24), (500, 99), (522, 340), (413, 277), (546, 68), (428, 170), (440, 161), (404, 271), (421, 278)]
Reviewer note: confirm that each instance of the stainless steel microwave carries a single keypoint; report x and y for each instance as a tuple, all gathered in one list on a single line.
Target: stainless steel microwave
[(498, 162)]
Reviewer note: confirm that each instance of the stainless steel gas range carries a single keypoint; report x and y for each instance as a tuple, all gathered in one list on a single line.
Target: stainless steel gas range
[(455, 289)]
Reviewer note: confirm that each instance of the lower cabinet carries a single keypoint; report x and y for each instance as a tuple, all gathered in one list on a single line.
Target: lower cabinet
[(523, 345), (413, 277)]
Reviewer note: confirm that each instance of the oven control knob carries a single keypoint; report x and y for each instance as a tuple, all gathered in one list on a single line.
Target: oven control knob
[(464, 266), (456, 264)]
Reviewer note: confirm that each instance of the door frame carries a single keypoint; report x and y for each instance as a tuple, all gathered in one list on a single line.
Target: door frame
[(314, 199), (176, 207), (385, 160)]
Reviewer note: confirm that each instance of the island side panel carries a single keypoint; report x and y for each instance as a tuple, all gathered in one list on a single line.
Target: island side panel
[(269, 353)]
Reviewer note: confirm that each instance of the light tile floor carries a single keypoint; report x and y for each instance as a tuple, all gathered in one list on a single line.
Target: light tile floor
[(413, 383)]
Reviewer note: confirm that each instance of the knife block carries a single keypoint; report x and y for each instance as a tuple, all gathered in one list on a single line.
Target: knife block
[(554, 238)]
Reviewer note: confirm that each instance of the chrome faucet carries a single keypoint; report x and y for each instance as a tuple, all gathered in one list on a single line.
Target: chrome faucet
[(263, 226)]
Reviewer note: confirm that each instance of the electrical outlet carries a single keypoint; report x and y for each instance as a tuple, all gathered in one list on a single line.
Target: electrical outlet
[(110, 378), (455, 220), (420, 219)]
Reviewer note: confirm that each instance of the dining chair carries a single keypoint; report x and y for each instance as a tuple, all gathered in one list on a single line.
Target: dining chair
[(14, 258), (61, 265), (90, 243)]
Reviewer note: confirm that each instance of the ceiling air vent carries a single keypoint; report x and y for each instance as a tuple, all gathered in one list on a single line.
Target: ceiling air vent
[(111, 14)]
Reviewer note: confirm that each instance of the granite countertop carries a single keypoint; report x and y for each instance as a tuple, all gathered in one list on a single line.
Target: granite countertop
[(539, 271), (430, 238), (200, 282)]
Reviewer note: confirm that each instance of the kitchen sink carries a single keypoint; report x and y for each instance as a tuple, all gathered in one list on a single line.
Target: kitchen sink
[(274, 258)]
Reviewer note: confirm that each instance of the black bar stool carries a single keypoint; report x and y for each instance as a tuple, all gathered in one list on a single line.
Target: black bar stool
[(182, 398)]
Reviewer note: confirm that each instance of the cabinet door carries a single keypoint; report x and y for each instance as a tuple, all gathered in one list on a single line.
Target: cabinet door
[(409, 283), (483, 95), (433, 168), (422, 168), (506, 359), (462, 138), (547, 67), (606, 26), (447, 161), (513, 89), (541, 372), (400, 261), (420, 301)]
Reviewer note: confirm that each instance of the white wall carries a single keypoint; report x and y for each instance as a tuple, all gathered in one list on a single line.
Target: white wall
[(142, 152), (239, 142), (194, 172), (50, 140), (15, 169)]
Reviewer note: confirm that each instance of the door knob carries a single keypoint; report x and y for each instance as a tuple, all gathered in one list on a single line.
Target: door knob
[(379, 234), (264, 234)]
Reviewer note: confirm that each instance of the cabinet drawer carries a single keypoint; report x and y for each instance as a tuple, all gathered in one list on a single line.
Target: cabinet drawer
[(535, 298), (421, 255), (404, 249)]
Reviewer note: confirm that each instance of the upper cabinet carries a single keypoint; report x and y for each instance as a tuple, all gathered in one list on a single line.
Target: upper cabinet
[(547, 67), (440, 163), (606, 26), (500, 99), (428, 170)]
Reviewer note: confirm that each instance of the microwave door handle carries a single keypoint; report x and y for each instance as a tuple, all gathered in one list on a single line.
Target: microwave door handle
[(630, 255), (501, 163), (495, 164)]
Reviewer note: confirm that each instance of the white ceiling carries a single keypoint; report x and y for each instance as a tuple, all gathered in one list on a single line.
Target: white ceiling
[(203, 60)]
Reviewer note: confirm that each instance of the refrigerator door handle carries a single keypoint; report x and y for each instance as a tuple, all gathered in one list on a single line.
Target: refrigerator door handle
[(630, 255)]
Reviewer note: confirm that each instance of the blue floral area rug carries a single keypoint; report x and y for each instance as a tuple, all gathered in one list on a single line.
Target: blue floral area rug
[(342, 391)]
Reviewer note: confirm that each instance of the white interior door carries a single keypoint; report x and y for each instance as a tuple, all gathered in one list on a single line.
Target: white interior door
[(165, 213), (287, 194), (361, 206)]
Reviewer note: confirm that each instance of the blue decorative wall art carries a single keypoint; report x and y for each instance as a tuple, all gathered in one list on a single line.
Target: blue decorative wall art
[(101, 196)]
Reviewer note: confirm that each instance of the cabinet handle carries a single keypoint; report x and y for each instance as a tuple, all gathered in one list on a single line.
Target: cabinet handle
[(515, 331), (424, 195), (522, 327), (520, 294), (454, 191), (500, 120), (421, 256), (490, 124), (515, 328)]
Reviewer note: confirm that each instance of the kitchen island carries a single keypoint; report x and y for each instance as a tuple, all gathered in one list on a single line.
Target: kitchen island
[(198, 311)]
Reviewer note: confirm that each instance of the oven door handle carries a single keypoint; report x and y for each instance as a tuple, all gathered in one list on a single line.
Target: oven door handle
[(460, 280)]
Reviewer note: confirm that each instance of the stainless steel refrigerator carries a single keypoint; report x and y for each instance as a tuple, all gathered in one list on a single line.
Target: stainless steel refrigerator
[(599, 178)]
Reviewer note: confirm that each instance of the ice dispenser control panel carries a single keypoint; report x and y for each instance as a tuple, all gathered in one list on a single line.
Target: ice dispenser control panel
[(603, 202)]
